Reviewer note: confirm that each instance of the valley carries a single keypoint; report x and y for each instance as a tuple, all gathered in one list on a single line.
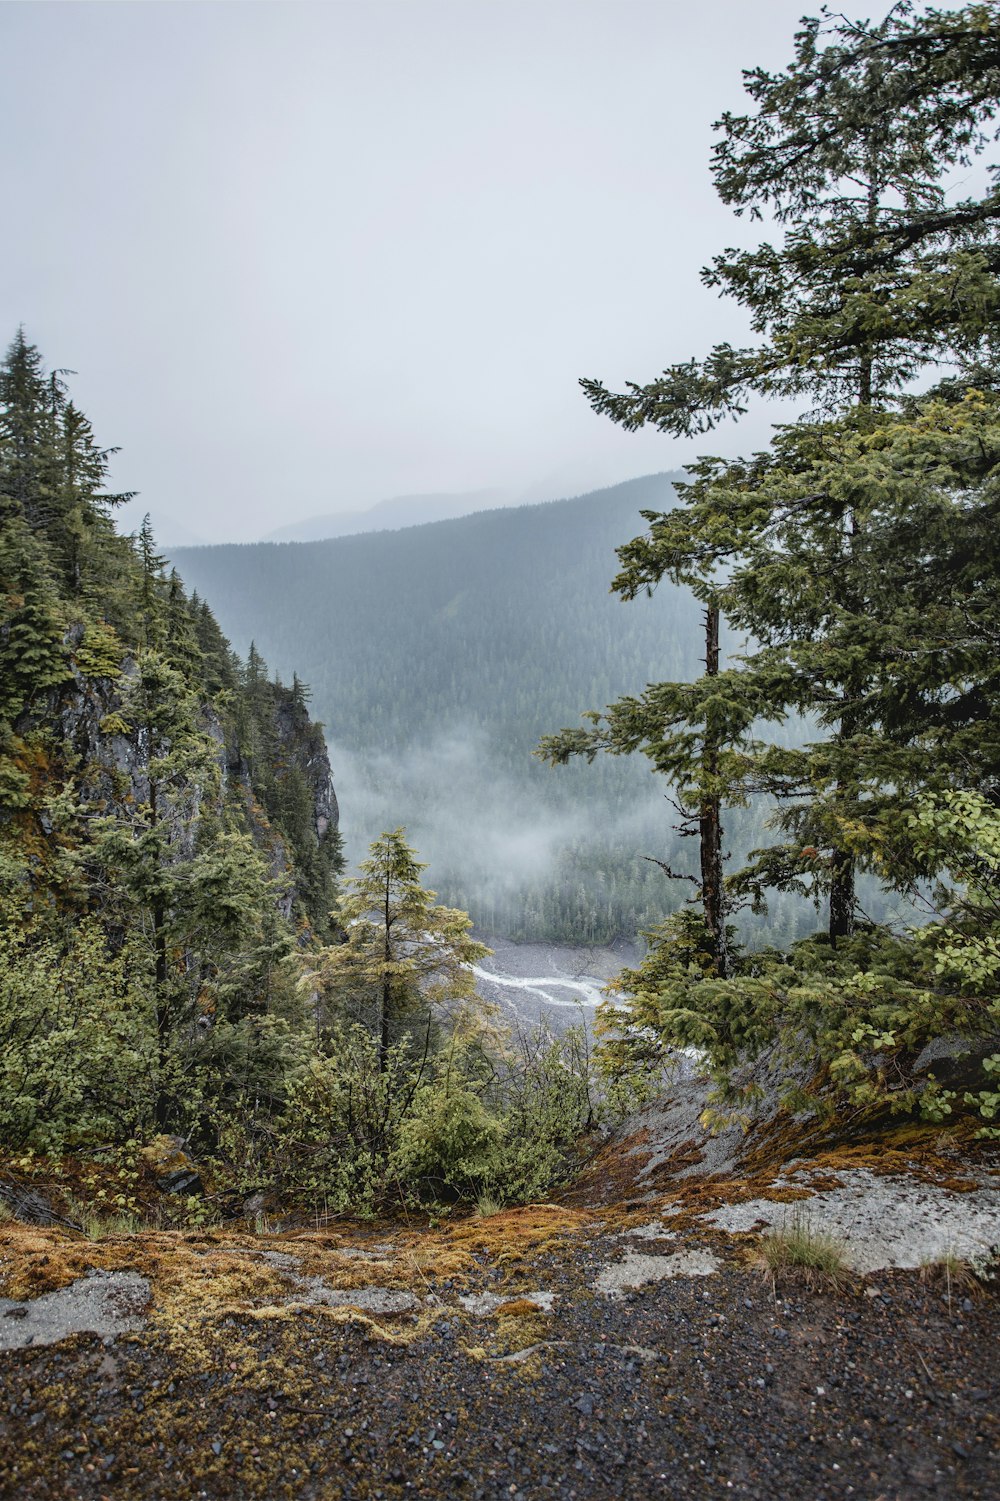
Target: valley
[(437, 656)]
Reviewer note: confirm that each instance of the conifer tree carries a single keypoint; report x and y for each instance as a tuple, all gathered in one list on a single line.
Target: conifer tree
[(26, 434), (878, 276), (151, 601), (402, 956)]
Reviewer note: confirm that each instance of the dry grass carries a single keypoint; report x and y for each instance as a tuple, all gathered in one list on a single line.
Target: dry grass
[(952, 1275)]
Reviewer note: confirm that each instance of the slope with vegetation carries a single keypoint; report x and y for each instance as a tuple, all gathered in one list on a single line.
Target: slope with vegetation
[(177, 964), (641, 1335)]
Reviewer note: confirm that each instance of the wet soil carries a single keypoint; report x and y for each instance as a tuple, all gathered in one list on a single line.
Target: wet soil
[(729, 1385)]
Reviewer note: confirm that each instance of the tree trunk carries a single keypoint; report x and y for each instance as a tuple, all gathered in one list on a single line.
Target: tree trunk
[(842, 864), (383, 1044), (710, 820), (384, 1020), (841, 896), (162, 1108)]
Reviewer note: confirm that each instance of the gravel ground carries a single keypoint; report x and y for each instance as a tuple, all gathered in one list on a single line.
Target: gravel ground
[(689, 1387), (515, 1356)]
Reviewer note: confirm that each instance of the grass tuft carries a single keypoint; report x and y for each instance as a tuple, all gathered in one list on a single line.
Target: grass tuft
[(799, 1245), (952, 1274)]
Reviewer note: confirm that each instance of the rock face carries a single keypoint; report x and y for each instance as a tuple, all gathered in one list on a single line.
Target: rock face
[(305, 749), (93, 719), (893, 1193)]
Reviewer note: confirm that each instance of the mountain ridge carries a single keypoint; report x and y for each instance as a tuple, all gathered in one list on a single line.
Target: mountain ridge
[(438, 656)]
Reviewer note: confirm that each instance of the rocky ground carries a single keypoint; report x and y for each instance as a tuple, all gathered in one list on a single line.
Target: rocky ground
[(623, 1342)]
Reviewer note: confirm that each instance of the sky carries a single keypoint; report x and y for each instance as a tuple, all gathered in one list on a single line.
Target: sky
[(303, 257)]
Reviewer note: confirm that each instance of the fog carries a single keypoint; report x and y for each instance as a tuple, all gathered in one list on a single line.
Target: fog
[(493, 842), (303, 257)]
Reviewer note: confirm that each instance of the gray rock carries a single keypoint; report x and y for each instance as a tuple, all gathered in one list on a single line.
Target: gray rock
[(104, 1303)]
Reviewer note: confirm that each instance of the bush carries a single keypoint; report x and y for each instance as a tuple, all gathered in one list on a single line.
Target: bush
[(77, 1041), (476, 1121)]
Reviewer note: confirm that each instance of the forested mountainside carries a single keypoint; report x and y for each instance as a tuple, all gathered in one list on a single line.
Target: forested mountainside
[(180, 969), (167, 819), (439, 655)]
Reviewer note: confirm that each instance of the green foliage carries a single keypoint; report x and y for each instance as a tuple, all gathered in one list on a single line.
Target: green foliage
[(401, 957), (135, 857), (77, 1054), (472, 1118), (880, 270), (851, 1018), (961, 830), (858, 553), (168, 855), (99, 654), (450, 1139), (858, 557)]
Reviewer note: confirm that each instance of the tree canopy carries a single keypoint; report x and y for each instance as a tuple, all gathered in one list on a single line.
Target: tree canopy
[(857, 554)]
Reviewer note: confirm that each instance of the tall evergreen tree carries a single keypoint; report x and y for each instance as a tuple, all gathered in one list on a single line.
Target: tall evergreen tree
[(401, 954), (877, 276), (26, 434)]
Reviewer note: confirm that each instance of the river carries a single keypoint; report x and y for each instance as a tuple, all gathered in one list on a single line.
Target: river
[(550, 983)]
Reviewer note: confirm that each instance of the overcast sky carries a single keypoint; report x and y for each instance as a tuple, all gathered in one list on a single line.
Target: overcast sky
[(307, 256)]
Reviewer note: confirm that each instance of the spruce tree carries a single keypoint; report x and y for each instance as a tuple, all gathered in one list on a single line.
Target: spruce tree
[(877, 277), (402, 955)]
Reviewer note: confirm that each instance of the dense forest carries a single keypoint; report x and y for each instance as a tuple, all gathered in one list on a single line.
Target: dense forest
[(438, 656), (180, 968)]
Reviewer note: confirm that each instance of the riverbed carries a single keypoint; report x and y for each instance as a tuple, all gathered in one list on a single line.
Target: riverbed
[(550, 984)]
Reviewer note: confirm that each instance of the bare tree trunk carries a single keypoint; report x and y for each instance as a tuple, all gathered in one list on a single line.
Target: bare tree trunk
[(842, 865), (161, 1108), (710, 820), (384, 1020), (841, 896)]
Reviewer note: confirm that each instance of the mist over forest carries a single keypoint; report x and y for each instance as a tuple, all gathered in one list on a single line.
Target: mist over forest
[(437, 657)]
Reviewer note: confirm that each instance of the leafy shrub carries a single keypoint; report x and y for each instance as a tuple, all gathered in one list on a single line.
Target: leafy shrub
[(77, 1050)]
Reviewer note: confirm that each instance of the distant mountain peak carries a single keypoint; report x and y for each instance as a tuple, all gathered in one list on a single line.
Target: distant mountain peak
[(389, 514)]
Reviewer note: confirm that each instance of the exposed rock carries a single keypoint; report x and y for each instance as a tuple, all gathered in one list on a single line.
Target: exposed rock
[(104, 1303), (368, 1299), (27, 1204), (637, 1270), (184, 1181), (487, 1303), (884, 1221), (957, 1062)]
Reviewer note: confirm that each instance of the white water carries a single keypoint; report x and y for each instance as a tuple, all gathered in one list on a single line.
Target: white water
[(590, 990)]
